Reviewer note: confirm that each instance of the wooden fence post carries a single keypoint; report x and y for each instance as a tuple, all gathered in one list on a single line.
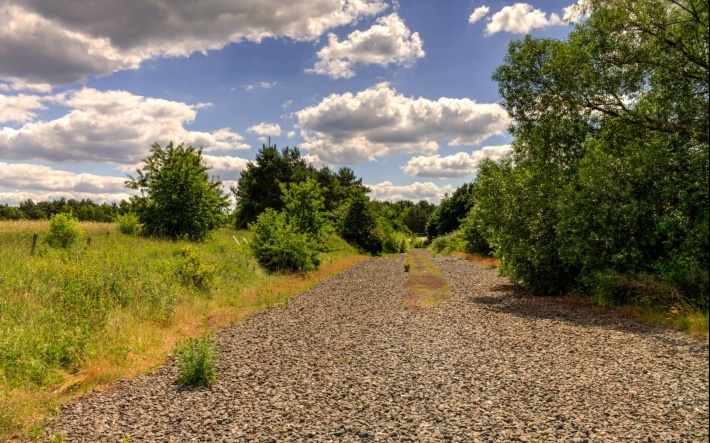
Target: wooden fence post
[(34, 244)]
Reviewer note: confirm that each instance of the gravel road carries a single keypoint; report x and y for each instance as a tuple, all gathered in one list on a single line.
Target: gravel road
[(346, 362)]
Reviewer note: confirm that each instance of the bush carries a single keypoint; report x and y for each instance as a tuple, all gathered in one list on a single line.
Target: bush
[(128, 224), (193, 272), (64, 231), (446, 244), (279, 248), (197, 361)]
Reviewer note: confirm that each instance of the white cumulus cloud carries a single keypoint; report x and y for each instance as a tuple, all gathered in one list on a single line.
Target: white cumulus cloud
[(226, 167), (350, 128), (19, 108), (387, 41), (266, 129), (416, 191), (478, 14), (453, 166), (39, 177), (63, 41), (110, 126), (520, 18)]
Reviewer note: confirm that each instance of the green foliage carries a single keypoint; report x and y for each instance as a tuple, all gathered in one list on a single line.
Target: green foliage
[(446, 244), (197, 361), (304, 210), (259, 185), (279, 247), (193, 271), (178, 197), (451, 211), (360, 227), (607, 185), (64, 231), (407, 266), (128, 224), (290, 240)]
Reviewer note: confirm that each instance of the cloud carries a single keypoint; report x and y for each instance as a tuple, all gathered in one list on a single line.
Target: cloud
[(261, 85), (453, 166), (576, 12), (387, 41), (110, 126), (478, 14), (520, 18), (266, 129), (226, 167), (416, 191), (63, 41), (19, 108), (43, 178), (351, 128)]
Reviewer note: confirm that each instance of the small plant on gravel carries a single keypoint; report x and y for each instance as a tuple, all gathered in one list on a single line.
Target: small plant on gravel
[(407, 266), (197, 361)]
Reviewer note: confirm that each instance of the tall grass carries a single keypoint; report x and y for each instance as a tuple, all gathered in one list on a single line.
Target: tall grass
[(74, 319)]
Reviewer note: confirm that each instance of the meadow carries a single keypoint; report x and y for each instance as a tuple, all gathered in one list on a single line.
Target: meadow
[(114, 306)]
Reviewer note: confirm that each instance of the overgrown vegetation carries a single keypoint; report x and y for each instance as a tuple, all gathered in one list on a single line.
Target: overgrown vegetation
[(606, 192), (372, 226), (71, 319)]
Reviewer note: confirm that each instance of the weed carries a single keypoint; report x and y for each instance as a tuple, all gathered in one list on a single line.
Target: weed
[(197, 361), (407, 266)]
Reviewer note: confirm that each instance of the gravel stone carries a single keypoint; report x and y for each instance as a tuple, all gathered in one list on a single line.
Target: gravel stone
[(345, 362)]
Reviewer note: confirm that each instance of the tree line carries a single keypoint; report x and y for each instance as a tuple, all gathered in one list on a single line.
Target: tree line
[(83, 210), (606, 189)]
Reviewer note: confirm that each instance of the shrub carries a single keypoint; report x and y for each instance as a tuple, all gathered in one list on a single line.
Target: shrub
[(64, 231), (197, 361), (128, 224), (193, 272), (448, 243), (278, 247)]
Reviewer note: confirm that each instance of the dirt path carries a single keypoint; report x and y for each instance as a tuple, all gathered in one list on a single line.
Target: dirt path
[(347, 362)]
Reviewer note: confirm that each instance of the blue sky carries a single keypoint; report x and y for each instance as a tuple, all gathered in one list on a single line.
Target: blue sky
[(399, 91)]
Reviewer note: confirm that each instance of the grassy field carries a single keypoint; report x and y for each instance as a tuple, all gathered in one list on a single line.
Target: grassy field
[(114, 306)]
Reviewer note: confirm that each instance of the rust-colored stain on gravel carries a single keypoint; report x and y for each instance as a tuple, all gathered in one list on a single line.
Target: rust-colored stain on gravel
[(425, 286)]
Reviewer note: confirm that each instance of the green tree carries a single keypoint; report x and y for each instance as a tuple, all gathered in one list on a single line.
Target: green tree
[(259, 184), (178, 197), (609, 169), (304, 209), (360, 227)]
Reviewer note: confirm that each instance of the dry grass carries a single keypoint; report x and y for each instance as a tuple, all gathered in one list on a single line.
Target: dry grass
[(426, 286), (485, 260)]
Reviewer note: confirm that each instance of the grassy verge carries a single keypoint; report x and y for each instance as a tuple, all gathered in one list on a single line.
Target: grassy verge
[(426, 286), (77, 320), (485, 260)]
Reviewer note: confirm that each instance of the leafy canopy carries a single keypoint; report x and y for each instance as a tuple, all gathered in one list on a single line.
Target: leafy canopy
[(178, 197)]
